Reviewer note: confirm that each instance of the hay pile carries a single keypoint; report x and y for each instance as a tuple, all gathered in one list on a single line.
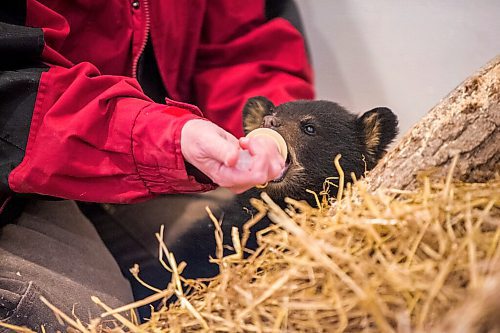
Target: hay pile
[(387, 261), (375, 262)]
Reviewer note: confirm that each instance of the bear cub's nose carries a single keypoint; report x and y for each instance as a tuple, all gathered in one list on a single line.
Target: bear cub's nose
[(270, 122)]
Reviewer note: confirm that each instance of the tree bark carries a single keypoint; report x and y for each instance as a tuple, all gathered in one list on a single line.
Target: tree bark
[(465, 123)]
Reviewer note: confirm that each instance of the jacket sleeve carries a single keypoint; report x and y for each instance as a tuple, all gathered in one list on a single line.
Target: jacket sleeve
[(68, 131), (243, 53)]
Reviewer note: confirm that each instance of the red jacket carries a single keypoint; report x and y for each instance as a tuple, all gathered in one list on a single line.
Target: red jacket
[(93, 133)]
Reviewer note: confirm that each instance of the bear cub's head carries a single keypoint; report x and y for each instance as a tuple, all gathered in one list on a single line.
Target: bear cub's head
[(315, 132)]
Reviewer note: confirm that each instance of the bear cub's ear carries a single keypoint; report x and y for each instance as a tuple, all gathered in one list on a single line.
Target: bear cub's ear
[(378, 127), (254, 111)]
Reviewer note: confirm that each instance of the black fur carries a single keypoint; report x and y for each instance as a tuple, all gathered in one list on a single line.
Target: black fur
[(315, 132)]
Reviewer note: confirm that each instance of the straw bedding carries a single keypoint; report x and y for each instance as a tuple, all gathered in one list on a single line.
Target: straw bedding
[(374, 262), (424, 260)]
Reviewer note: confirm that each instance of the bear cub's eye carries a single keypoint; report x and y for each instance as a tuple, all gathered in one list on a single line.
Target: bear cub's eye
[(309, 129)]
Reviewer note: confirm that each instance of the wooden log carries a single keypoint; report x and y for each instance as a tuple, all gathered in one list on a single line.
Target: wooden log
[(465, 123)]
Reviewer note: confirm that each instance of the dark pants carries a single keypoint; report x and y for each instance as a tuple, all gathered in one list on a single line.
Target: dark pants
[(53, 250)]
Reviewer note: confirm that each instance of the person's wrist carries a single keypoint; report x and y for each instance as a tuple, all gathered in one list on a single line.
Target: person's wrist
[(188, 138), (186, 141)]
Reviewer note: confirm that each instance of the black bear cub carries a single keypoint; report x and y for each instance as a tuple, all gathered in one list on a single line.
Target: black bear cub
[(315, 132)]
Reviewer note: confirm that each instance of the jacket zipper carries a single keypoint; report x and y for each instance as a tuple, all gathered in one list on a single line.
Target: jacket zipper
[(145, 7)]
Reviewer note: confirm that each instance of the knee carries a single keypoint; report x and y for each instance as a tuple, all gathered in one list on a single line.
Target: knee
[(20, 305)]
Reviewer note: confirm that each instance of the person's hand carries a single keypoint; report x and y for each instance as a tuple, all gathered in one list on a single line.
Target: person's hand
[(215, 152)]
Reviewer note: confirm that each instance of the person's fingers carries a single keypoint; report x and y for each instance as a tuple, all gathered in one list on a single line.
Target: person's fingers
[(244, 141), (229, 154), (202, 140), (215, 152), (239, 181), (267, 148), (277, 169), (229, 147), (223, 148), (262, 145), (264, 172), (234, 179)]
